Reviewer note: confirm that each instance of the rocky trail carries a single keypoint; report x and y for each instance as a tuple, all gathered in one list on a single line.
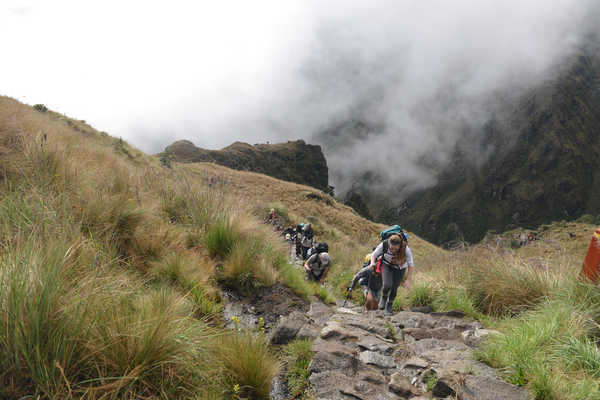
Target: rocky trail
[(375, 356), (408, 355)]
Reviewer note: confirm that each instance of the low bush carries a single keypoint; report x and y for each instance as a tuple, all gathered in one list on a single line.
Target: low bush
[(40, 107), (248, 366)]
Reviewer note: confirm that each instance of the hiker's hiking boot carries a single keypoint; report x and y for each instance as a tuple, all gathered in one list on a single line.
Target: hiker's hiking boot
[(382, 302), (388, 308)]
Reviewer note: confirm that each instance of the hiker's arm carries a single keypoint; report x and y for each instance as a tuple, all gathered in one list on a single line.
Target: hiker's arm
[(310, 261), (324, 274), (359, 275), (376, 253), (410, 268), (409, 272)]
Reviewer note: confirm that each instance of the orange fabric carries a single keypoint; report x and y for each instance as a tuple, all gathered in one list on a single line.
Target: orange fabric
[(591, 264)]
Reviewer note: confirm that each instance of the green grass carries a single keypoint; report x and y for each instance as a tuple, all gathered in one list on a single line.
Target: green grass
[(220, 238), (421, 295), (582, 354), (500, 287), (298, 356), (456, 299), (550, 349), (248, 365)]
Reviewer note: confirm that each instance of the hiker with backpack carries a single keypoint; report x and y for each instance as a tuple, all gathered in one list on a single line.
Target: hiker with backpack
[(307, 240), (371, 282), (270, 219), (298, 239), (317, 266), (396, 259)]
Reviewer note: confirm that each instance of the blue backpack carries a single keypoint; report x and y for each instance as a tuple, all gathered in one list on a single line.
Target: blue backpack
[(395, 229)]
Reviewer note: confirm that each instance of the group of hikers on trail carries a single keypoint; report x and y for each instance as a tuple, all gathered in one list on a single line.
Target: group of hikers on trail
[(385, 268)]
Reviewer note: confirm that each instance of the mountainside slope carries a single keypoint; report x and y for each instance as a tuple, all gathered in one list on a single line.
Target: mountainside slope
[(292, 161), (550, 171), (90, 224)]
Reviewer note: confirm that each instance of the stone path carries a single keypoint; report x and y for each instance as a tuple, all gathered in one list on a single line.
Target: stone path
[(408, 355)]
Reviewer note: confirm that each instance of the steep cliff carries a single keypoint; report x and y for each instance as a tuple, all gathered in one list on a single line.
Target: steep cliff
[(294, 161)]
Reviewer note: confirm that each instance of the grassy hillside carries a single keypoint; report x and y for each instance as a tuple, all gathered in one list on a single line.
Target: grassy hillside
[(111, 264)]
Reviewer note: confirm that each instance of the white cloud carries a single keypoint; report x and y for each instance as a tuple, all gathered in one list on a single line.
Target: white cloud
[(218, 71)]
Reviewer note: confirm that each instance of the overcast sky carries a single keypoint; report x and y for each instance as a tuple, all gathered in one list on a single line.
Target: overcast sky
[(214, 72)]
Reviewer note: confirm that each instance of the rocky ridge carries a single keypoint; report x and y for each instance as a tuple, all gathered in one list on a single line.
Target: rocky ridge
[(293, 161)]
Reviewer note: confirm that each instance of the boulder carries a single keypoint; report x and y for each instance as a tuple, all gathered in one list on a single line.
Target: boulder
[(287, 328), (474, 337), (487, 388)]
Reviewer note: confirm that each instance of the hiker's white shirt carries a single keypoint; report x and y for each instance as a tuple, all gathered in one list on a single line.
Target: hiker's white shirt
[(389, 256)]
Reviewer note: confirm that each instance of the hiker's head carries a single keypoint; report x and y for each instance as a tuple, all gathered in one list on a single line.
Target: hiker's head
[(324, 258), (397, 243)]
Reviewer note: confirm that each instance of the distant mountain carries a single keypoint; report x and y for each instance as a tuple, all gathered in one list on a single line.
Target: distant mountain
[(544, 165), (294, 161)]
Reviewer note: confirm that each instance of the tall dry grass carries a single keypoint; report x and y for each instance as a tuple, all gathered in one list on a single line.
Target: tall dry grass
[(101, 296)]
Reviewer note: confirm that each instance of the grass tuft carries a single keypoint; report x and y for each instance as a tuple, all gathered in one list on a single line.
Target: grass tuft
[(220, 239), (248, 363), (298, 356)]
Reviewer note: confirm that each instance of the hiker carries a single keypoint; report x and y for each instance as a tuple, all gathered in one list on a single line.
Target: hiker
[(298, 239), (317, 267), (307, 240), (270, 217), (522, 239), (370, 281), (395, 261), (288, 233)]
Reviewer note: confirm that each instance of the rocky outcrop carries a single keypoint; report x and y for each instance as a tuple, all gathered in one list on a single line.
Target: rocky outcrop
[(406, 356), (294, 161)]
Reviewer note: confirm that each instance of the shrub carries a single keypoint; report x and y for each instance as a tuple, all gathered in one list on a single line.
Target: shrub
[(40, 107), (165, 159), (248, 367)]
